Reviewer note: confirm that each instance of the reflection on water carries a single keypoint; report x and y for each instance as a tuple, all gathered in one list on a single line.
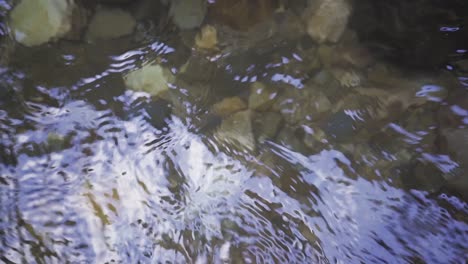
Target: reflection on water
[(265, 146)]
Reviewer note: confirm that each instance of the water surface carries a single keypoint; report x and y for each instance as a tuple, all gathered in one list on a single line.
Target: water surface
[(349, 164)]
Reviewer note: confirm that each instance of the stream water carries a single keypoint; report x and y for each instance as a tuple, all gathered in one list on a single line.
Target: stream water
[(347, 159)]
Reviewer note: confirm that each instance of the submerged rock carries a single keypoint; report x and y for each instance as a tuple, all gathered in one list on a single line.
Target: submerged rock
[(198, 68), (266, 125), (188, 14), (110, 23), (327, 20), (150, 78), (347, 78), (261, 96), (302, 105), (207, 38), (289, 137), (229, 106), (79, 21), (457, 144), (35, 22), (340, 126), (237, 130)]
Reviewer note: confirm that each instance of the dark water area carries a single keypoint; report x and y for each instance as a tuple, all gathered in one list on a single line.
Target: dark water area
[(264, 131)]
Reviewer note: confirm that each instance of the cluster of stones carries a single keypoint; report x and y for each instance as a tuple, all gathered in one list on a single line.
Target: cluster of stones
[(342, 94)]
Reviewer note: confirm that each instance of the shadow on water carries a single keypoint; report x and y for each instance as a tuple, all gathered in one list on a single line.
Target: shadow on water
[(272, 147)]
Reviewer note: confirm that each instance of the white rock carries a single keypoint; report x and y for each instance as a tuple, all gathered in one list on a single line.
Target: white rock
[(110, 23), (327, 20), (35, 22), (150, 78)]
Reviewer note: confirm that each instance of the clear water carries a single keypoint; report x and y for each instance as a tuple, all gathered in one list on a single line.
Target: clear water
[(92, 172)]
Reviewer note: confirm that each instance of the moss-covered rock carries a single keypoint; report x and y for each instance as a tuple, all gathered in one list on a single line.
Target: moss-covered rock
[(151, 78), (35, 22)]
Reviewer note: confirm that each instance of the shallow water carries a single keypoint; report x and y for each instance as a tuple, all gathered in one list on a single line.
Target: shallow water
[(365, 165)]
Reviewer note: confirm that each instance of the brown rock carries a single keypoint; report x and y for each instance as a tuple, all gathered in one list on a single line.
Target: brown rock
[(206, 38), (229, 106)]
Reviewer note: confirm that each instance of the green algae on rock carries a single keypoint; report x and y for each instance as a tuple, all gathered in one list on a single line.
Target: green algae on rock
[(151, 78)]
